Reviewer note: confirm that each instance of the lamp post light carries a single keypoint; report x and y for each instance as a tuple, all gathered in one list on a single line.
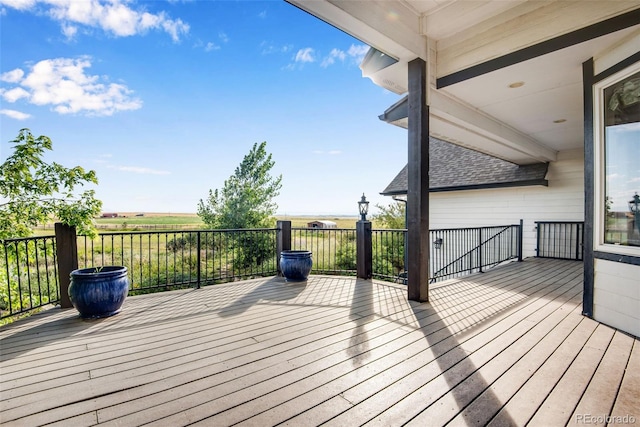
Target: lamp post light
[(634, 206), (437, 244), (363, 206)]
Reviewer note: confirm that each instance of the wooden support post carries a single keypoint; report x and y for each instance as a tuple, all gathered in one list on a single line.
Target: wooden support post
[(67, 255), (418, 183), (364, 250), (520, 240), (283, 240), (590, 174)]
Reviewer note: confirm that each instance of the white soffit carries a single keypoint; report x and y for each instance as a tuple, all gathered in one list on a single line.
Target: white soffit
[(519, 27), (482, 112), (552, 91), (393, 27)]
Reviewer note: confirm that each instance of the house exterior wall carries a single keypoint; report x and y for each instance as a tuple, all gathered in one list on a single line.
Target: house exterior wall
[(562, 200), (617, 295)]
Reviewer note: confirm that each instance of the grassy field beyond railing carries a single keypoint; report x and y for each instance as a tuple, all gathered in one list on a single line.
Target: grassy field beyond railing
[(164, 260), (333, 249)]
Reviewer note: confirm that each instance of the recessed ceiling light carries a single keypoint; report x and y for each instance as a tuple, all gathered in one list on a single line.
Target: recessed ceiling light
[(560, 121), (516, 85)]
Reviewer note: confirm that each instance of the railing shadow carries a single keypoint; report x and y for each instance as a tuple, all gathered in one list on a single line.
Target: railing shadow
[(264, 291), (359, 342), (42, 329), (440, 378)]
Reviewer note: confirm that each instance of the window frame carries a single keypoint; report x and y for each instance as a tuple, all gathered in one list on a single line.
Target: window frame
[(599, 163)]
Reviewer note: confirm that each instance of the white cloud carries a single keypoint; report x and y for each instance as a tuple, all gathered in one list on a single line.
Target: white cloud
[(211, 46), (112, 16), (13, 76), (15, 114), (69, 31), (269, 48), (357, 52), (305, 55), (334, 152), (18, 4), (333, 55), (223, 37), (13, 95), (63, 84)]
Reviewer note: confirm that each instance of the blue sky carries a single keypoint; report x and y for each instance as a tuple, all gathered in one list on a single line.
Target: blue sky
[(164, 99)]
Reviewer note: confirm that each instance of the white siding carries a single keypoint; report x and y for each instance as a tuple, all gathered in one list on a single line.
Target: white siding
[(562, 200), (616, 295)]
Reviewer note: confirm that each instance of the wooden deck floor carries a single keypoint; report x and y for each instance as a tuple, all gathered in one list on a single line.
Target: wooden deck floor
[(507, 347)]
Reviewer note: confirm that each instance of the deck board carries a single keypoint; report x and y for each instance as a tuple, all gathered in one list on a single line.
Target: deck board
[(499, 347)]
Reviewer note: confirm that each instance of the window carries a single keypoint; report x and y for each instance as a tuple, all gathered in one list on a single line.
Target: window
[(617, 124)]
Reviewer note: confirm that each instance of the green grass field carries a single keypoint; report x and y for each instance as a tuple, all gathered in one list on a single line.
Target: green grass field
[(185, 221), (194, 221)]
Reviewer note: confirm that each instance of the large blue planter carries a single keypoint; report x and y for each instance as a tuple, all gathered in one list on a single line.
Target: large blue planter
[(295, 265), (99, 292)]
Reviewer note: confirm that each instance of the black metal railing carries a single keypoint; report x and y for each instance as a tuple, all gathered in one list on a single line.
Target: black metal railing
[(389, 249), (468, 250), (560, 239), (334, 249), (28, 275), (178, 259)]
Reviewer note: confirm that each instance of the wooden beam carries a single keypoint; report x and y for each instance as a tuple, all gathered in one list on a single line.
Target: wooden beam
[(283, 241), (67, 254), (589, 186), (418, 183)]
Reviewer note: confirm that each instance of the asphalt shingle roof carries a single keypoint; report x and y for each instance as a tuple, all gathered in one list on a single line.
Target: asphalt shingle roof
[(452, 167)]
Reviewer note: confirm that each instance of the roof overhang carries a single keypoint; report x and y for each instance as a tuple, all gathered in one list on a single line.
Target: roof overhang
[(504, 77)]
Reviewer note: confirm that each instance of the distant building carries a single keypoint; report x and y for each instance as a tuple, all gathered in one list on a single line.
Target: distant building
[(321, 224), (109, 215)]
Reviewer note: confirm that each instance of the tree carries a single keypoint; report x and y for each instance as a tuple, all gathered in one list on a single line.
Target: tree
[(389, 250), (392, 216), (246, 200), (33, 191)]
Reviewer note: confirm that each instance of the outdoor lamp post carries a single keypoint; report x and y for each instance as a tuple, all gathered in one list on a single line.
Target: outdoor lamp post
[(634, 206), (364, 243), (363, 205)]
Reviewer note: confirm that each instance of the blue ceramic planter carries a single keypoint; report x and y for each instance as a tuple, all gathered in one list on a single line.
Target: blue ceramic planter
[(99, 292), (295, 265)]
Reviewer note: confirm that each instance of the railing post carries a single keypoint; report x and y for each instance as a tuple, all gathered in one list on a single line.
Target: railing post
[(364, 250), (538, 239), (198, 256), (67, 255), (520, 242), (480, 249), (283, 241)]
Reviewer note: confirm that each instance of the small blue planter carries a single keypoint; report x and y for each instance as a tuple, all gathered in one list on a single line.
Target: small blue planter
[(295, 265), (99, 292)]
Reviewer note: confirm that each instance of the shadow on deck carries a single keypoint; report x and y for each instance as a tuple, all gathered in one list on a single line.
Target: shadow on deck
[(507, 347)]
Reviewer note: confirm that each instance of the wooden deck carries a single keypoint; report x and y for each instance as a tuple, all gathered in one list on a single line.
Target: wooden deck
[(507, 347)]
